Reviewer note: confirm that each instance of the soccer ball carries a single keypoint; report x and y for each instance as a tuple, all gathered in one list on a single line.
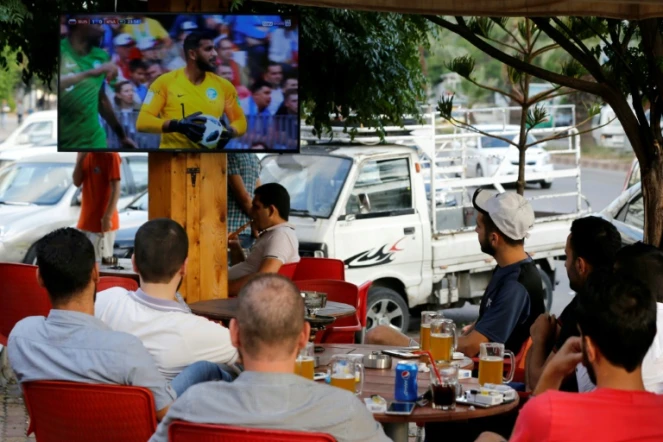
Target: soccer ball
[(213, 131)]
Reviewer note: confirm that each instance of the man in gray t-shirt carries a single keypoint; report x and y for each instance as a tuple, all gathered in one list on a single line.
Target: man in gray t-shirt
[(269, 330)]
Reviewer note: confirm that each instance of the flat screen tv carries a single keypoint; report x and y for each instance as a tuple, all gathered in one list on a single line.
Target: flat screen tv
[(178, 83)]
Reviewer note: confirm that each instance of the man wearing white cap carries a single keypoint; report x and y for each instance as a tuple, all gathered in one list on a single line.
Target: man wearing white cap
[(514, 296)]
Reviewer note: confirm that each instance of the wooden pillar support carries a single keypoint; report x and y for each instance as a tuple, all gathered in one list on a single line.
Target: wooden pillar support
[(192, 190)]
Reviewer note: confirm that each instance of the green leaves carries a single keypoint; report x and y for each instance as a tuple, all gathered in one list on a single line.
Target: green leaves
[(445, 107), (463, 66), (536, 116)]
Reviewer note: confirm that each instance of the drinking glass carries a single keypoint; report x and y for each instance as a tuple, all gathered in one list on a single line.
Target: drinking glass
[(305, 363), (443, 339), (424, 331), (491, 363)]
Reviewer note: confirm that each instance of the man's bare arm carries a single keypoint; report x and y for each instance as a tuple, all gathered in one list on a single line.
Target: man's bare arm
[(470, 344), (269, 265), (242, 196)]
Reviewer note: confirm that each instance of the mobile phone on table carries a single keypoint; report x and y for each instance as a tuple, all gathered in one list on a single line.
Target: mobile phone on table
[(400, 408), (400, 354)]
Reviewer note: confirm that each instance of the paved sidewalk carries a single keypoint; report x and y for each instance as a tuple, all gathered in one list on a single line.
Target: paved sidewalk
[(13, 416)]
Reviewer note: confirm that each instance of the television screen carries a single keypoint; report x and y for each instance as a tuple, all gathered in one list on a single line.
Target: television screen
[(178, 83)]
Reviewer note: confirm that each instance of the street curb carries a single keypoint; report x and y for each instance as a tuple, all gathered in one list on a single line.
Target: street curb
[(595, 164)]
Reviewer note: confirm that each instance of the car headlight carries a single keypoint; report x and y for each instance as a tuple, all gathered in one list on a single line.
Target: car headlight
[(546, 159)]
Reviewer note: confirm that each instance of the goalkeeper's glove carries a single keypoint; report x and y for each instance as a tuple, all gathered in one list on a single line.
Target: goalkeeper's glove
[(192, 127), (226, 136)]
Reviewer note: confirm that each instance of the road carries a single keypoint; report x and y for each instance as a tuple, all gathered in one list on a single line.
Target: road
[(600, 187)]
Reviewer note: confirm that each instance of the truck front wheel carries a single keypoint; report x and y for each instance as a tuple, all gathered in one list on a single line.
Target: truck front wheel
[(387, 307)]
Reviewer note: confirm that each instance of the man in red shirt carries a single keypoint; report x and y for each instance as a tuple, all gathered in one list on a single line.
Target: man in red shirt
[(99, 174), (617, 322)]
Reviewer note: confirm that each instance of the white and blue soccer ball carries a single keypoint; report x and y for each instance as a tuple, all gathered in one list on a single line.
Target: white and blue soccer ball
[(213, 131)]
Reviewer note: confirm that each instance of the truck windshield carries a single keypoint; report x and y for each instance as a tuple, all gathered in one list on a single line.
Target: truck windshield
[(314, 182)]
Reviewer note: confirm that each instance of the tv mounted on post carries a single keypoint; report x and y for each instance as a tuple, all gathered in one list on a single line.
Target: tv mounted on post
[(188, 82)]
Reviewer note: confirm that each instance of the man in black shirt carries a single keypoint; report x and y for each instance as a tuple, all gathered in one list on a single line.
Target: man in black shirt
[(514, 296), (592, 245)]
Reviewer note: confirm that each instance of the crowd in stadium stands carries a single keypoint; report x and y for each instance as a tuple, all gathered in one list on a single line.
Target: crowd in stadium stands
[(260, 61)]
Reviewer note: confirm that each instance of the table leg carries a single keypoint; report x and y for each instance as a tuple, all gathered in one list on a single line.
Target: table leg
[(396, 431)]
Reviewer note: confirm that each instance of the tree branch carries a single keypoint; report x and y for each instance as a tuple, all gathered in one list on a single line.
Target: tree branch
[(562, 135), (544, 49), (493, 89), (462, 125), (513, 37), (544, 74), (588, 61)]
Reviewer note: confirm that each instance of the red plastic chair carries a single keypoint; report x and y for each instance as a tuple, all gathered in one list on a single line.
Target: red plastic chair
[(319, 268), (21, 296), (343, 330), (77, 412), (107, 282), (288, 270), (180, 431)]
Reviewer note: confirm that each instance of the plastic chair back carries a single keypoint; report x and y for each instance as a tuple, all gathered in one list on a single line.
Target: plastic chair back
[(107, 282), (21, 296), (319, 268), (77, 412), (180, 431)]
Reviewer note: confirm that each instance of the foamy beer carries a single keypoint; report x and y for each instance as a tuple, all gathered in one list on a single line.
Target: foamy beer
[(491, 363), (344, 371), (305, 363), (443, 339), (424, 331)]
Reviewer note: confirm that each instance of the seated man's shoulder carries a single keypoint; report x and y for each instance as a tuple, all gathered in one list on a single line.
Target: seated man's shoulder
[(113, 295), (27, 326)]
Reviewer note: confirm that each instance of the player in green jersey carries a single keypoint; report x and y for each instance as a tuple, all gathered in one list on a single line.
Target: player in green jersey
[(83, 68)]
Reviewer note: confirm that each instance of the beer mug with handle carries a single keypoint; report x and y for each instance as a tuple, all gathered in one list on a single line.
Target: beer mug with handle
[(427, 317), (443, 339), (491, 363), (305, 363), (347, 372)]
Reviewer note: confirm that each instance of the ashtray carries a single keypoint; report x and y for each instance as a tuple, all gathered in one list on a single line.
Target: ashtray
[(377, 360)]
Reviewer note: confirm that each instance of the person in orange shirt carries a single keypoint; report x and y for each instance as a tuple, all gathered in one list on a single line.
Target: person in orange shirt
[(99, 176)]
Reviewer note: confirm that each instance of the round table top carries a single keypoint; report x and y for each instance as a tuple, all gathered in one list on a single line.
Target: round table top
[(226, 309), (381, 382)]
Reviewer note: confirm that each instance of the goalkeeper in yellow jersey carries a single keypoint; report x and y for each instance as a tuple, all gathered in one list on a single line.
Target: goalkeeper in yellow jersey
[(176, 101)]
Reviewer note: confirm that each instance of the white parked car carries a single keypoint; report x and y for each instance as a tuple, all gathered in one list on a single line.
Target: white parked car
[(612, 133), (37, 196), (486, 155), (36, 127)]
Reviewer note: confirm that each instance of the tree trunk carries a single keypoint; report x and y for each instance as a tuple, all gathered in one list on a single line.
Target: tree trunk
[(522, 152), (652, 195)]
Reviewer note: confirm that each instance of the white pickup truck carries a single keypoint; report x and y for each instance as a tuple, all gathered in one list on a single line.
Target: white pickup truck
[(371, 207)]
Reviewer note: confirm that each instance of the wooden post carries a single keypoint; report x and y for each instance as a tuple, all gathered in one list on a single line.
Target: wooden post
[(192, 190)]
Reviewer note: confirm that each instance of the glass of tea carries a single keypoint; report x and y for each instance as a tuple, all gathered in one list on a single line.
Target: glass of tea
[(443, 339), (424, 331), (444, 394), (305, 363), (491, 363)]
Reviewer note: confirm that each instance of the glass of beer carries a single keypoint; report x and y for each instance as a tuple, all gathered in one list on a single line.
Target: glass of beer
[(347, 372), (491, 363), (443, 339), (424, 331), (305, 363), (444, 394)]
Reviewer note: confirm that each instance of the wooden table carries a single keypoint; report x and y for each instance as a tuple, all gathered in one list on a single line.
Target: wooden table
[(226, 309), (381, 382)]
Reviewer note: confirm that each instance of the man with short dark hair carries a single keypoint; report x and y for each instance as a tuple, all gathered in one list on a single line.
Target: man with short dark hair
[(617, 321), (158, 315), (138, 73), (591, 246), (269, 330), (514, 296), (277, 242), (71, 344), (644, 262)]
